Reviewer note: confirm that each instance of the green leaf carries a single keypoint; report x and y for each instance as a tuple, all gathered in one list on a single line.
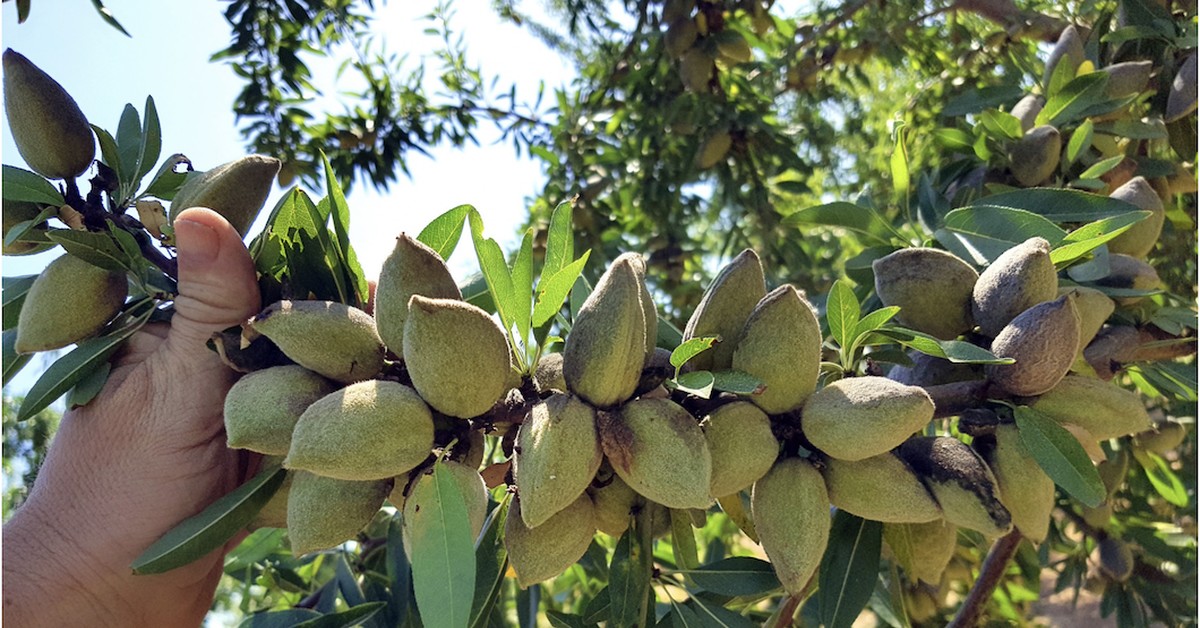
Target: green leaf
[(1091, 236), (953, 139), (94, 247), (399, 571), (199, 535), (522, 281), (956, 351), (1081, 140), (901, 180), (110, 153), (347, 266), (23, 185), (1059, 205), (89, 387), (841, 214), (107, 16), (444, 232), (736, 576), (1100, 168), (565, 620), (288, 618), (13, 296), (1060, 455), (1075, 97), (873, 321), (495, 272), (1165, 482), (974, 100), (1003, 126), (848, 569), (980, 234), (85, 358), (683, 540), (738, 383), (11, 360), (443, 559), (699, 383), (166, 181), (256, 547), (560, 241), (842, 313), (129, 142), (691, 349), (491, 561), (711, 613), (629, 574), (345, 619), (151, 141), (553, 290)]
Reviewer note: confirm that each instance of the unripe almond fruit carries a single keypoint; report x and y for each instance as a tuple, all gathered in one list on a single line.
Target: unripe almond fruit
[(680, 36), (922, 549), (1027, 109), (333, 339), (695, 70), (237, 190), (713, 150), (931, 287), (1127, 79), (790, 508), (614, 502), (859, 417), (1139, 239), (1164, 438), (1025, 490), (412, 268), (879, 488), (960, 481), (742, 446), (557, 455), (50, 131), (1068, 49), (1181, 100), (724, 308), (649, 311), (1130, 273), (1094, 308), (326, 512), (541, 553), (781, 345), (657, 447), (927, 370), (1044, 341), (1104, 409), (70, 300), (1019, 279), (606, 347), (457, 356), (548, 374), (1115, 558), (262, 408), (1034, 157), (369, 430)]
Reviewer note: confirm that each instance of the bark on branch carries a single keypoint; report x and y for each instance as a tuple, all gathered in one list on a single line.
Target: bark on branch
[(1006, 13)]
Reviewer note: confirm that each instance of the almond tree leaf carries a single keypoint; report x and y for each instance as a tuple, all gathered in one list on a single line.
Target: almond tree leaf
[(110, 153), (739, 513), (737, 382), (699, 383), (736, 576), (73, 367), (873, 321), (554, 289), (683, 541), (690, 349), (629, 575), (129, 142), (166, 182), (345, 619), (443, 233), (565, 620), (199, 535), (443, 558), (23, 185), (560, 241), (87, 389), (287, 618), (13, 296), (347, 260), (842, 312), (1058, 205), (1102, 167), (495, 271), (848, 569), (1165, 482), (12, 361), (522, 281), (1081, 140), (107, 16), (982, 233), (1060, 455), (1074, 98), (151, 141), (491, 562), (399, 570), (859, 219), (1091, 236), (711, 613), (956, 351)]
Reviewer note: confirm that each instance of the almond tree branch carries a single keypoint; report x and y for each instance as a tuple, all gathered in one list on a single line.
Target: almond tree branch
[(990, 574), (1006, 13)]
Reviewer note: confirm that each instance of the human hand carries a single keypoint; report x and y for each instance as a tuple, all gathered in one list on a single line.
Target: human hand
[(146, 453)]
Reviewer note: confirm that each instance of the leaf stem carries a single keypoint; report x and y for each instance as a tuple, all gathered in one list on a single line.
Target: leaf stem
[(990, 575)]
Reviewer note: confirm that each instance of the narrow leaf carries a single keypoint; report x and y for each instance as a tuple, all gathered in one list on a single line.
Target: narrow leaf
[(443, 560), (736, 576), (629, 575), (495, 271), (842, 312), (683, 541), (1075, 97), (444, 232), (345, 619), (23, 185), (1101, 167), (848, 569), (983, 233), (848, 215), (1165, 482), (199, 535), (873, 321), (954, 350), (129, 142), (736, 510), (491, 561), (699, 383), (89, 386), (12, 361), (399, 571), (1081, 140), (93, 247), (279, 619), (560, 241), (151, 141), (899, 164), (110, 154), (738, 383), (554, 289), (1059, 205), (1060, 455), (1091, 236), (691, 349), (15, 289), (522, 281)]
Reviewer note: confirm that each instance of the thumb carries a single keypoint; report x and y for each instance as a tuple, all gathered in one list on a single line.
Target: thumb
[(218, 287)]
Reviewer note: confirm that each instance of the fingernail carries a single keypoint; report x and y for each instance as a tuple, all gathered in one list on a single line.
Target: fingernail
[(198, 244)]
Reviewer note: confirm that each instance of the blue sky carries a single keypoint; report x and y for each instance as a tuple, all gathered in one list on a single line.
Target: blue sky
[(167, 57)]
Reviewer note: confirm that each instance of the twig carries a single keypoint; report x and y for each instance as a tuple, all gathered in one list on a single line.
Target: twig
[(1117, 346), (952, 399), (788, 611), (990, 575)]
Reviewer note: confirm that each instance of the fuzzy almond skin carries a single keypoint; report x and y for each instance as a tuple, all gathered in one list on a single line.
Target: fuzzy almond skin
[(1019, 279), (1025, 490), (614, 502), (1181, 100), (742, 445), (237, 190), (1103, 409), (879, 488), (928, 370), (50, 131), (262, 408), (960, 481), (541, 553), (1139, 239), (724, 308), (333, 339), (1127, 79), (606, 347), (1094, 308), (1044, 341), (548, 374), (1068, 49), (931, 287), (557, 455), (326, 512), (412, 268), (649, 311), (1164, 438), (1027, 109), (781, 345), (1034, 158), (369, 430), (859, 417), (790, 508), (658, 448), (1131, 273), (457, 356), (922, 549), (70, 300)]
